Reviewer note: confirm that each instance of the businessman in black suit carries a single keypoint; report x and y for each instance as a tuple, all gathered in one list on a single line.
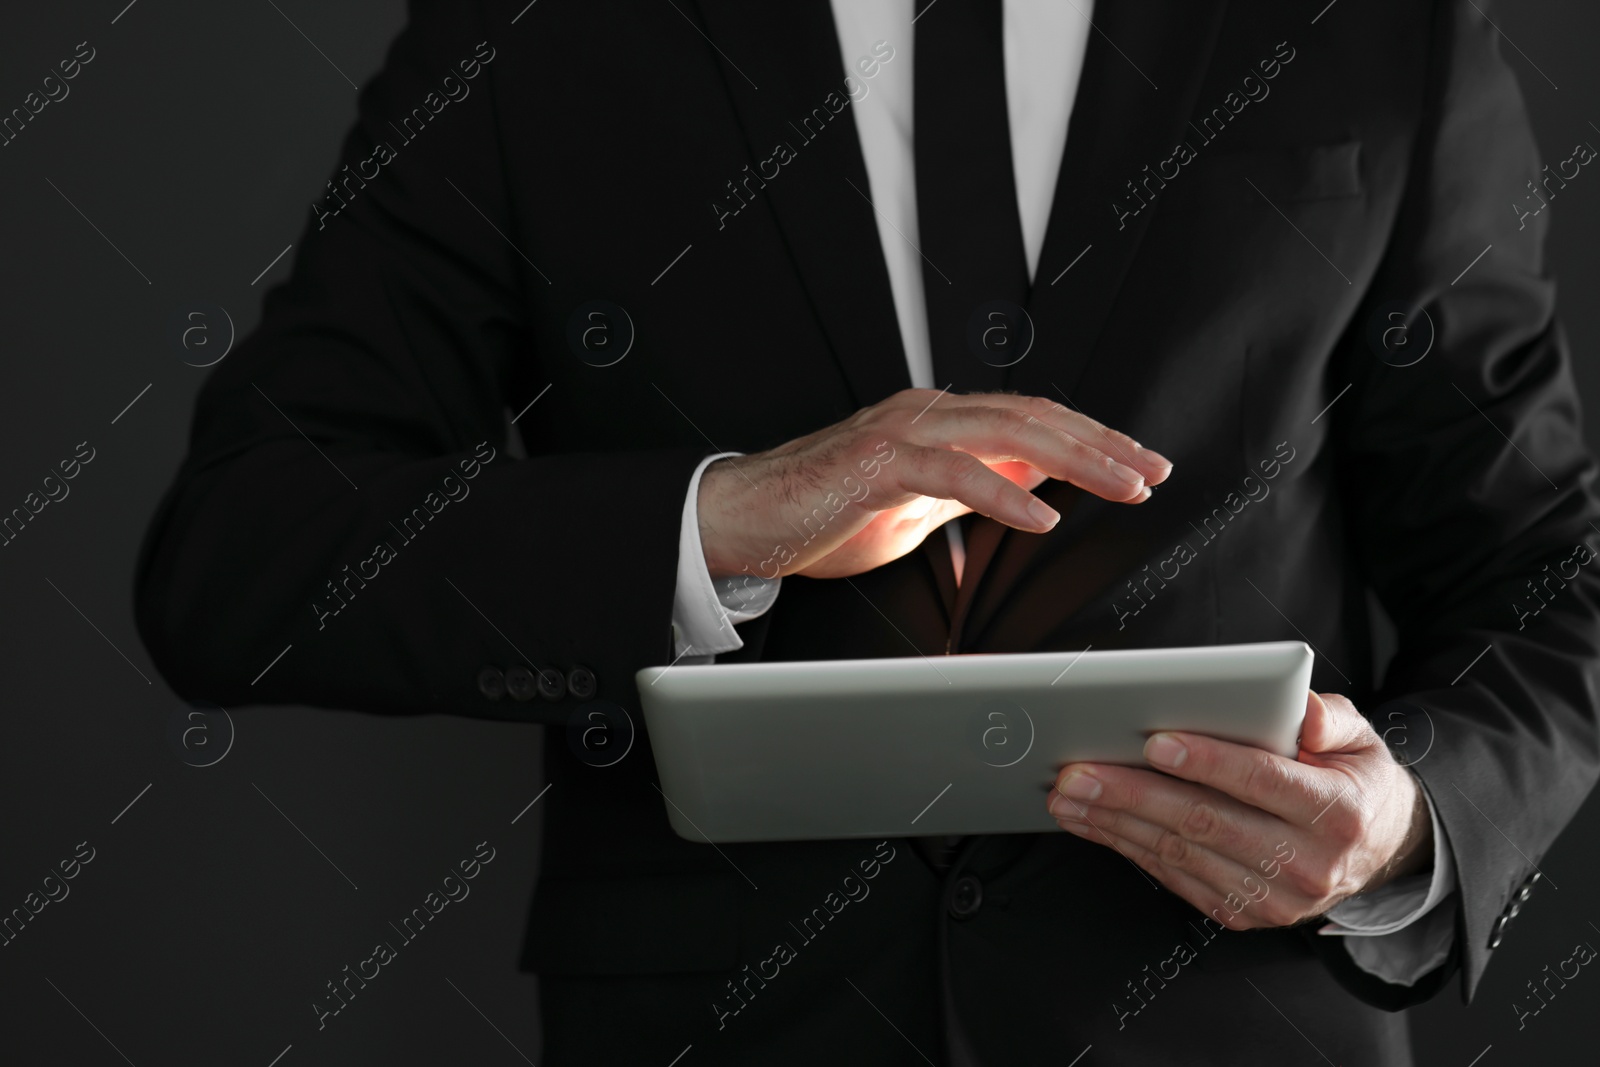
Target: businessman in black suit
[(1277, 248)]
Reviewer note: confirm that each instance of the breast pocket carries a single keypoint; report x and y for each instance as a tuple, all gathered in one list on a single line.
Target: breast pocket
[(1225, 179)]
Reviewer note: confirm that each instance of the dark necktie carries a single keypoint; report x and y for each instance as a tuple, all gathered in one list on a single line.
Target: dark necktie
[(974, 266)]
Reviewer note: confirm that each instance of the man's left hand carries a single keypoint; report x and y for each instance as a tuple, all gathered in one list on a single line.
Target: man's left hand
[(1211, 821)]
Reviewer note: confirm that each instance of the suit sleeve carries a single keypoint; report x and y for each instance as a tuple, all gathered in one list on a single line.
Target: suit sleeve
[(348, 529), (1471, 502)]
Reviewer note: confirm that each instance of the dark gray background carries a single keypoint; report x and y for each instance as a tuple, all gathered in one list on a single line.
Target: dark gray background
[(219, 903)]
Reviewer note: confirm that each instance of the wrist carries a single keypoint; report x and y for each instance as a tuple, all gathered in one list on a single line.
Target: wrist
[(1414, 854), (718, 506)]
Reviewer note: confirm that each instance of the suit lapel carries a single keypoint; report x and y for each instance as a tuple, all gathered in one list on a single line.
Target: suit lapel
[(791, 51), (1140, 85), (1139, 88)]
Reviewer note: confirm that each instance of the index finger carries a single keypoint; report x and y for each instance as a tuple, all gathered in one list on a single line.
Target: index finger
[(1295, 792)]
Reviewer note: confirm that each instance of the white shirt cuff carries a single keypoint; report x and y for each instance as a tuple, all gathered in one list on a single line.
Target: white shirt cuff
[(1399, 932), (704, 611)]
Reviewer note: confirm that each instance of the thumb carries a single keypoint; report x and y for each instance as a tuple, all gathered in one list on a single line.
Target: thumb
[(1332, 724)]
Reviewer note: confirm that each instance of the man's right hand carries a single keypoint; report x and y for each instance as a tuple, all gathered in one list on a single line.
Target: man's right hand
[(862, 492)]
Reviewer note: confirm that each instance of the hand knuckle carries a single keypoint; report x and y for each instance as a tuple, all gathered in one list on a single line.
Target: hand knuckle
[(1349, 827), (1078, 451), (1016, 421), (1304, 880), (911, 401), (1044, 407), (1265, 778), (967, 471), (1201, 822), (1339, 880), (1173, 849), (1321, 883)]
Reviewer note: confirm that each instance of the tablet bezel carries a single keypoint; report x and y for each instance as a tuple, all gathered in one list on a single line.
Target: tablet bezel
[(824, 749)]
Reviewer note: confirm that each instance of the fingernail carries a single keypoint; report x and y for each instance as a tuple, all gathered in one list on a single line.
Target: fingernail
[(1164, 750), (1043, 513), (1079, 828), (1155, 457), (1062, 808), (1080, 786), (1127, 474)]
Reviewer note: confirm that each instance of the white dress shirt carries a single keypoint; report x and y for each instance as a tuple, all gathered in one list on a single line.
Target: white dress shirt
[(1399, 932)]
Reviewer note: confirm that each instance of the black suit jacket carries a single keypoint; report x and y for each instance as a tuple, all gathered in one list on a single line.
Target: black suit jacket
[(1218, 306)]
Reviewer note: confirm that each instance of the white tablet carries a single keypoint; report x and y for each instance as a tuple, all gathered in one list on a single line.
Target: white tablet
[(962, 744)]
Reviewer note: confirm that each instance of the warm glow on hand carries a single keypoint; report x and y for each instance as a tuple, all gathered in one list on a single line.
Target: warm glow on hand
[(896, 531)]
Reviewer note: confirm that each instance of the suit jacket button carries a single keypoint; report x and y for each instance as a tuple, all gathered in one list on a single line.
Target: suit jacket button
[(581, 683), (551, 685), (520, 683), (1524, 893), (1499, 932), (966, 897), (491, 683), (1534, 877)]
